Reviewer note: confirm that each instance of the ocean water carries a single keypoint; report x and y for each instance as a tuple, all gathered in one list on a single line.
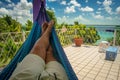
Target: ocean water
[(105, 32)]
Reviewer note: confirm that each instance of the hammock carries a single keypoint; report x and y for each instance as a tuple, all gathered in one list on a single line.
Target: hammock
[(39, 16)]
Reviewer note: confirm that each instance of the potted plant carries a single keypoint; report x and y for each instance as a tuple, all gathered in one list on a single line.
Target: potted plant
[(78, 40)]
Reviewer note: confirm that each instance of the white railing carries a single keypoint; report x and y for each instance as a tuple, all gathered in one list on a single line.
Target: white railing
[(11, 41)]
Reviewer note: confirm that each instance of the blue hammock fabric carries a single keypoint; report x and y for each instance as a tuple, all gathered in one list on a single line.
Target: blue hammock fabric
[(40, 12)]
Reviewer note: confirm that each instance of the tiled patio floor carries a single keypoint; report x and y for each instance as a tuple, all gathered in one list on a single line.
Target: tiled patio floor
[(89, 64)]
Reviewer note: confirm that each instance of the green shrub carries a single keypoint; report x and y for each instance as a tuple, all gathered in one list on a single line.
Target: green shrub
[(8, 51), (89, 35)]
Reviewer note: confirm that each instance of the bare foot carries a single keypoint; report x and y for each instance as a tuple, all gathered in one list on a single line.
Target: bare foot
[(48, 29), (44, 27)]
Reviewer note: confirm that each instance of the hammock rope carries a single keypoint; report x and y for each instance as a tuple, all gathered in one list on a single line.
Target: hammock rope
[(39, 11)]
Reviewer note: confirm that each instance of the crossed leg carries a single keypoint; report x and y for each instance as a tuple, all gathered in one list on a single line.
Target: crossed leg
[(53, 69), (40, 64), (34, 63), (42, 43)]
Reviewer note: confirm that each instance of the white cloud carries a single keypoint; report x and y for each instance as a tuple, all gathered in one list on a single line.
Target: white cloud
[(118, 10), (107, 4), (53, 9), (67, 16), (83, 13), (99, 9), (71, 6), (51, 0), (70, 9), (86, 1), (98, 2), (8, 1), (24, 5), (80, 18), (3, 11), (63, 3), (108, 9), (74, 3), (108, 18), (98, 12), (117, 18), (87, 9), (98, 16), (62, 19), (11, 5), (21, 11), (67, 19)]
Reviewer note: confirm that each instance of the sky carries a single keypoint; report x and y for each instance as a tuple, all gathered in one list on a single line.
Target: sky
[(102, 12)]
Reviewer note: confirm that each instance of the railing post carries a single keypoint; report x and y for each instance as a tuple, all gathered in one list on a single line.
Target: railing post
[(75, 31), (23, 35), (114, 37)]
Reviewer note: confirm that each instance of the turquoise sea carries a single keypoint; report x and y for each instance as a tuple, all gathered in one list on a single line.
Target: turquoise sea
[(105, 32)]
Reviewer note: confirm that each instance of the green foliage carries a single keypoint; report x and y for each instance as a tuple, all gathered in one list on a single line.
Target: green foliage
[(89, 34), (7, 24), (3, 26), (51, 15), (110, 40), (117, 35), (64, 39), (76, 23), (8, 51), (8, 19), (59, 26), (28, 26), (118, 38)]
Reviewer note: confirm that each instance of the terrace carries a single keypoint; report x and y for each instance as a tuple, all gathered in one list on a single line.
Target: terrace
[(87, 62)]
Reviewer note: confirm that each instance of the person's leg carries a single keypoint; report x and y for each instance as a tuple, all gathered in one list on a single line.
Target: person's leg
[(33, 64), (49, 55), (42, 43), (29, 69), (53, 70)]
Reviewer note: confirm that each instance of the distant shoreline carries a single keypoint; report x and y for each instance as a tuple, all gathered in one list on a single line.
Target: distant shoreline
[(100, 25)]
